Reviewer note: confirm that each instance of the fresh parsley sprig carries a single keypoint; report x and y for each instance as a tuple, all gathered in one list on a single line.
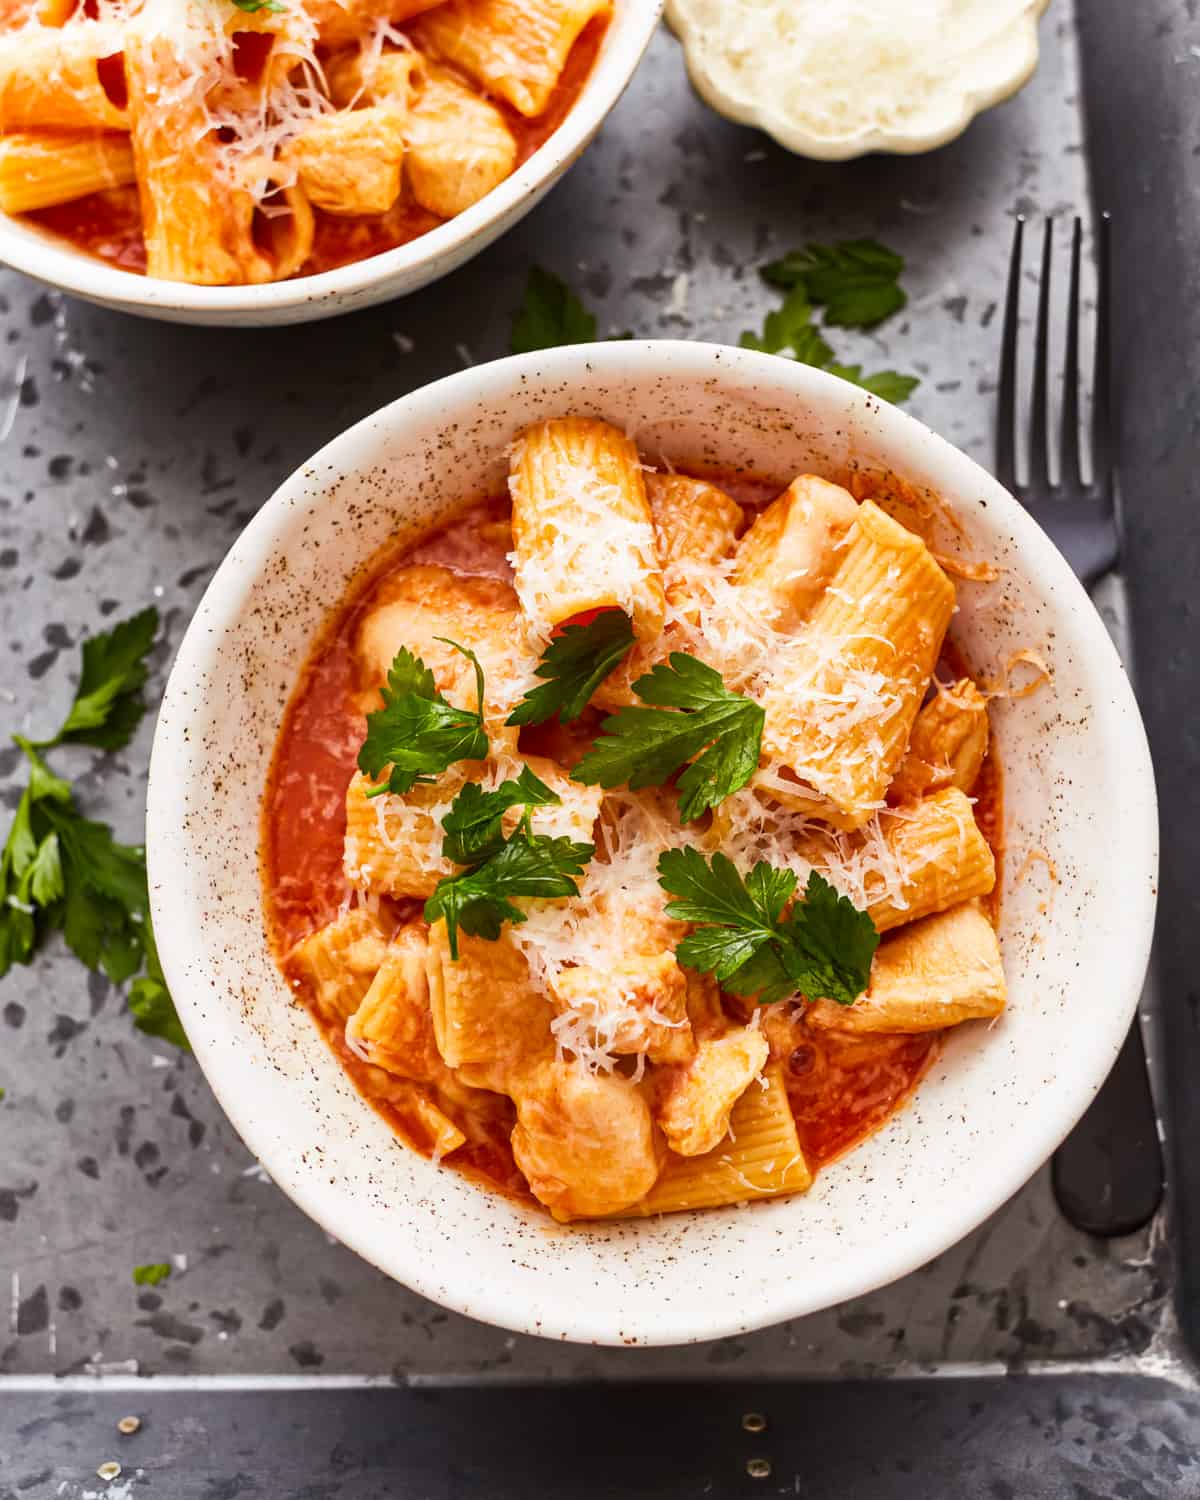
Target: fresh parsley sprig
[(60, 871), (789, 331), (528, 864), (473, 827), (551, 314), (108, 704), (574, 665), (479, 899), (822, 949), (691, 714), (857, 281), (417, 732)]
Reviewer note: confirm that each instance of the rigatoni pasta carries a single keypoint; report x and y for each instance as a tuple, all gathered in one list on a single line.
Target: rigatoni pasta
[(514, 49), (760, 1157), (63, 77), (842, 704), (572, 1034), (40, 168), (583, 536)]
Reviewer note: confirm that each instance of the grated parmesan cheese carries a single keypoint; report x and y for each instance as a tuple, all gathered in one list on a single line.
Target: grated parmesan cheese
[(854, 69)]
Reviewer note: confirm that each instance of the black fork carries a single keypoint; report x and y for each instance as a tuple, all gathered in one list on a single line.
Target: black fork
[(1108, 1174), (1080, 516)]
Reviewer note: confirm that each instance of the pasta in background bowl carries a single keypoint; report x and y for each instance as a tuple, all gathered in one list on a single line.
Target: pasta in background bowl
[(239, 162), (1077, 900)]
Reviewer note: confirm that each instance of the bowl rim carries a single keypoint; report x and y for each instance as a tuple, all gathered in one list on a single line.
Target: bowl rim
[(183, 954), (56, 263)]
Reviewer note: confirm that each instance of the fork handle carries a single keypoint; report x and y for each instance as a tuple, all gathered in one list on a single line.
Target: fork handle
[(1108, 1174)]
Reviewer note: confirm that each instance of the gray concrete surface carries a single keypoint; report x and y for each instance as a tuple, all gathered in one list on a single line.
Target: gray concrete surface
[(131, 454)]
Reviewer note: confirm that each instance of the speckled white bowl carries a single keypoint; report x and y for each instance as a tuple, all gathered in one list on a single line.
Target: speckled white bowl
[(379, 278), (1079, 790)]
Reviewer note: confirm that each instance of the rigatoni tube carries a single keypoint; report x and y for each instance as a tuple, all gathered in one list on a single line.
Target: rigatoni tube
[(841, 707), (583, 537)]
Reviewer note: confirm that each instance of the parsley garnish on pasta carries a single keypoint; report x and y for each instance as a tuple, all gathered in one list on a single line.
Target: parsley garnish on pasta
[(691, 713), (574, 665), (478, 900), (417, 732), (822, 949), (473, 827), (60, 871)]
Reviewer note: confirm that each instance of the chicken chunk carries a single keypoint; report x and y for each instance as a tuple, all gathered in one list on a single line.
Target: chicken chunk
[(349, 162), (696, 1101), (585, 1141), (948, 744), (933, 973), (637, 1005), (459, 146)]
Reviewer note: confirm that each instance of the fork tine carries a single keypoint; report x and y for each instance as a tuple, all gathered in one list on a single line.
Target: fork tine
[(1072, 466), (1039, 417), (1006, 413), (1103, 445)]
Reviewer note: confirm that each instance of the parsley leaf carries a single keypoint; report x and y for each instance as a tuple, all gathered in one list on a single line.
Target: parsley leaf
[(108, 706), (888, 385), (822, 950), (789, 331), (150, 1001), (646, 746), (551, 314), (527, 864), (574, 665), (417, 732), (252, 7), (151, 1275), (473, 826), (44, 876), (104, 895), (856, 280), (61, 871)]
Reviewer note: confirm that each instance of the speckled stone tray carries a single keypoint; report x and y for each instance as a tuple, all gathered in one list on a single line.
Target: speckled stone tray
[(132, 453)]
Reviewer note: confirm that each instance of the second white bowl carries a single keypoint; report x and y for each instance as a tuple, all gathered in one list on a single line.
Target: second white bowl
[(1079, 801)]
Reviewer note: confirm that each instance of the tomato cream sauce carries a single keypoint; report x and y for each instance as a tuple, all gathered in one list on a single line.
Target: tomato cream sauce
[(108, 225), (841, 1087)]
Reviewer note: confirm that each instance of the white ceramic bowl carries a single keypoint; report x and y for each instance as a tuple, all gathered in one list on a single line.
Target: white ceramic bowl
[(994, 59), (1079, 790), (380, 277)]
